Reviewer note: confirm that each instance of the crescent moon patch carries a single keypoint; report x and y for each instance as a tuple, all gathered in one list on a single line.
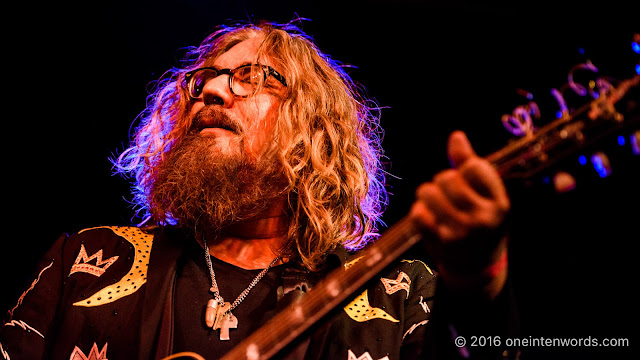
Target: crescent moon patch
[(135, 277), (360, 310)]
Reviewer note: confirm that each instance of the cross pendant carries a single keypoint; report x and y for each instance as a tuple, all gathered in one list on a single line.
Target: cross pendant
[(229, 322), (218, 316), (220, 312)]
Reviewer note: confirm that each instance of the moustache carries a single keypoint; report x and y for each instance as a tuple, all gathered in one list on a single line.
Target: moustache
[(212, 117)]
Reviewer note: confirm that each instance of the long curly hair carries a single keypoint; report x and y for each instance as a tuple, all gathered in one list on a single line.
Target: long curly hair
[(328, 136)]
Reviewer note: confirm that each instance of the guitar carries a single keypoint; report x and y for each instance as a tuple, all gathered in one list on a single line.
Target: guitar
[(612, 112)]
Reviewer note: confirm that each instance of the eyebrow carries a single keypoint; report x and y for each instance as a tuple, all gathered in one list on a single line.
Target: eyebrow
[(235, 67), (243, 64)]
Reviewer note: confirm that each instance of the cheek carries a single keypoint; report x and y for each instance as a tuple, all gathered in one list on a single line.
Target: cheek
[(261, 125), (195, 108)]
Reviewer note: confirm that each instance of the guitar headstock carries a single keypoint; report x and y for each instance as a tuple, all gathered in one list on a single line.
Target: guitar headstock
[(612, 109)]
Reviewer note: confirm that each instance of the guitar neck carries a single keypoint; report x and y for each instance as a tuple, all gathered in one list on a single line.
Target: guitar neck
[(520, 159), (533, 153)]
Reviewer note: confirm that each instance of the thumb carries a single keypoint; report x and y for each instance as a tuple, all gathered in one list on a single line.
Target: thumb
[(459, 148)]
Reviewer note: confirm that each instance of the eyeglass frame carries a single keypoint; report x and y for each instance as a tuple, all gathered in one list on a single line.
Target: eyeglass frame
[(267, 71)]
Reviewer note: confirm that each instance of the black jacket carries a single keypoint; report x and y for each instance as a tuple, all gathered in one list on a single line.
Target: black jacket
[(108, 291)]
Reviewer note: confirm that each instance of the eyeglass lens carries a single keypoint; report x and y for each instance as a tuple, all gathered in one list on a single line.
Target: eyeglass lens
[(244, 80)]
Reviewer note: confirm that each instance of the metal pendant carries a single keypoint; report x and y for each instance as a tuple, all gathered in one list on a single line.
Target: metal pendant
[(220, 315), (210, 313), (217, 316), (229, 322)]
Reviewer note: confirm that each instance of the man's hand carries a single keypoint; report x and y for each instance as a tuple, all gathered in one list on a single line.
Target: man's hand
[(465, 207)]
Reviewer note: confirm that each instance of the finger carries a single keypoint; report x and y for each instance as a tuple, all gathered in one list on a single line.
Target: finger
[(477, 211), (458, 190), (483, 178), (459, 148), (420, 213), (444, 219)]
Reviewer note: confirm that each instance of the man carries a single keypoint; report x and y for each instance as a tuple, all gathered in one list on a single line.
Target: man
[(257, 167)]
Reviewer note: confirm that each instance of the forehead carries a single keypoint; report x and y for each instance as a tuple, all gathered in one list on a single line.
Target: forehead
[(242, 53)]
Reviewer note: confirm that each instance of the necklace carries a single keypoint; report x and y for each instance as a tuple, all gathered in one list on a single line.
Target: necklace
[(218, 314)]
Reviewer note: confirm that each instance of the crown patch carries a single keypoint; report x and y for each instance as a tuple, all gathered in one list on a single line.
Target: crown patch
[(391, 285), (82, 263), (77, 354)]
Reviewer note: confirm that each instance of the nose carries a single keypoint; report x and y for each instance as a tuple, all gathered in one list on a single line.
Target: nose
[(217, 92)]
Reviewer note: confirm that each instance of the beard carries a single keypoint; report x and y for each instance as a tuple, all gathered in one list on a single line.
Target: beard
[(202, 189)]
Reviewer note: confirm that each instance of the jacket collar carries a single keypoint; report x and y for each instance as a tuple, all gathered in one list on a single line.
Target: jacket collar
[(156, 332)]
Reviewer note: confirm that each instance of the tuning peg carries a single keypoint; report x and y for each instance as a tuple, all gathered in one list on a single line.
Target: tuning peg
[(635, 142), (601, 164), (563, 182), (582, 160)]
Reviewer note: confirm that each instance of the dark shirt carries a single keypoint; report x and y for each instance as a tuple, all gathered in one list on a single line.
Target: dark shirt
[(192, 294)]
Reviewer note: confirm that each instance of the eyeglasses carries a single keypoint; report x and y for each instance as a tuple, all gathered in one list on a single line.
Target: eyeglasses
[(244, 81)]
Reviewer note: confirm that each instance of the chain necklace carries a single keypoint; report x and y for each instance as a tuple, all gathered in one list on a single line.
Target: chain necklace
[(218, 313)]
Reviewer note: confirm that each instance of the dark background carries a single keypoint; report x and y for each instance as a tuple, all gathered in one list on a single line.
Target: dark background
[(78, 73)]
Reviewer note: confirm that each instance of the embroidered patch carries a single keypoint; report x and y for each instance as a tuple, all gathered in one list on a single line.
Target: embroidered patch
[(77, 354), (424, 305), (413, 327), (365, 356), (391, 285), (82, 263), (360, 310), (421, 262), (33, 284), (348, 264), (5, 355), (23, 325), (135, 277)]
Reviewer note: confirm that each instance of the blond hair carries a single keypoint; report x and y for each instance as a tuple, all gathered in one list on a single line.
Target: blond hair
[(327, 135)]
